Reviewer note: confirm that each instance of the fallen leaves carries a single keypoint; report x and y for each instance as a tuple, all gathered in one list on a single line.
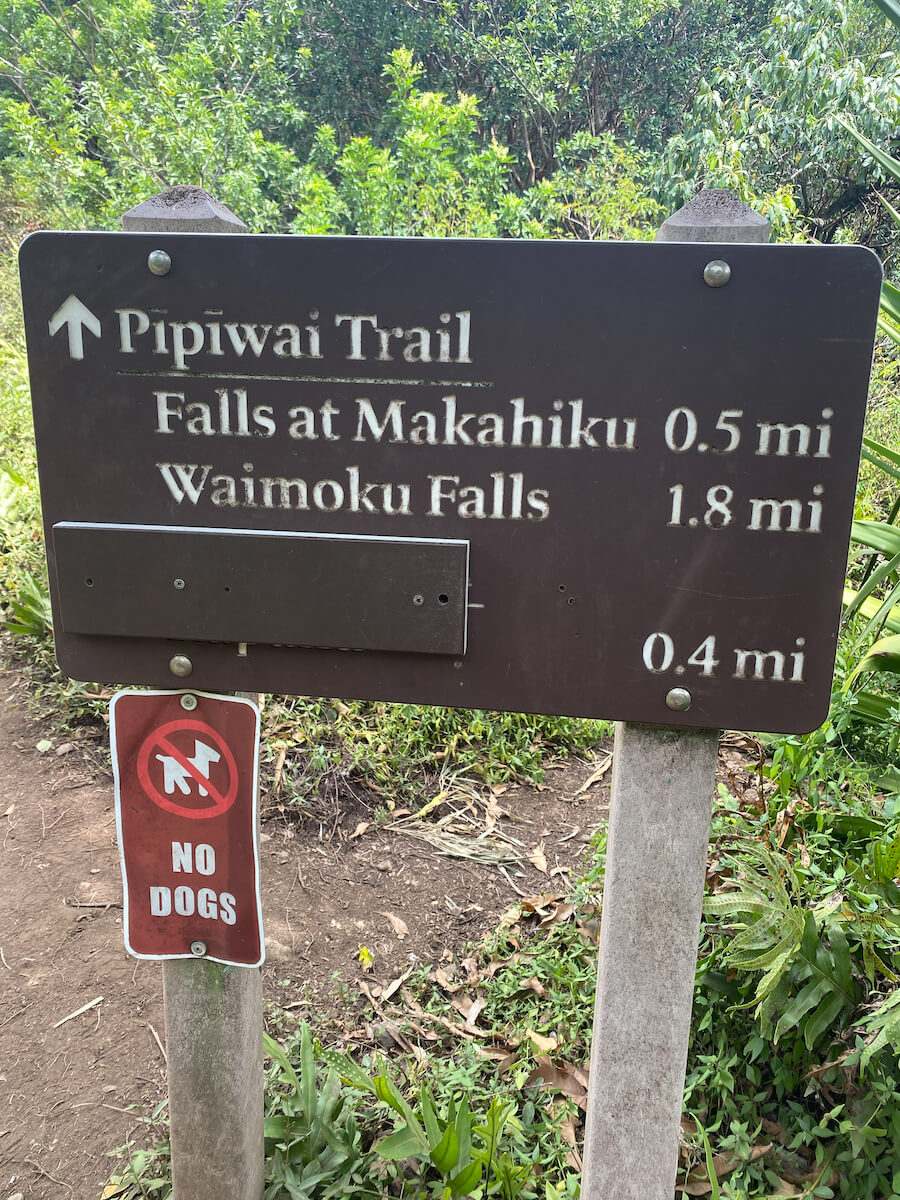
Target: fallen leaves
[(548, 906), (538, 859), (469, 1009), (568, 1135), (595, 777), (279, 770), (698, 1182), (492, 814), (562, 1077), (385, 992), (533, 984), (541, 1043), (399, 926)]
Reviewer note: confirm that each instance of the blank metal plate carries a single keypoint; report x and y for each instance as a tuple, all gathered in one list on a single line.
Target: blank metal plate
[(214, 585)]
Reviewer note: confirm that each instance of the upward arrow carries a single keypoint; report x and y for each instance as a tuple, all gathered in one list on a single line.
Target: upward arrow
[(77, 317)]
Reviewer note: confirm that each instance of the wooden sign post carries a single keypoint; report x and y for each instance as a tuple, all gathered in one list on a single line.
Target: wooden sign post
[(662, 790), (214, 1013)]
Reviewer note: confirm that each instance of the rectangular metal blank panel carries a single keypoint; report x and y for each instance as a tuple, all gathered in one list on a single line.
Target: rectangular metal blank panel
[(293, 589)]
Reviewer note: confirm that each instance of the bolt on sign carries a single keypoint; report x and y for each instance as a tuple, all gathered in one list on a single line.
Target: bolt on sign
[(580, 478), (185, 767)]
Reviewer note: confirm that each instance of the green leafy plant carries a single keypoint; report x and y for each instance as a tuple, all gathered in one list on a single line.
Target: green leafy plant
[(450, 1143), (806, 980), (313, 1139), (796, 978), (31, 614), (140, 1177), (871, 613), (402, 751), (881, 1027)]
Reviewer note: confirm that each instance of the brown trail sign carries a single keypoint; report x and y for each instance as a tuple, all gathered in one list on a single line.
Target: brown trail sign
[(579, 478), (582, 478)]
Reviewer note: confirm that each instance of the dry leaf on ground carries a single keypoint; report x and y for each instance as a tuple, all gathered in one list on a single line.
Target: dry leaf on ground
[(558, 914), (492, 814), (533, 984), (698, 1184), (474, 1012), (568, 1135), (444, 982), (595, 776), (470, 966), (397, 923), (538, 858), (541, 1043), (397, 983), (561, 1077), (541, 903)]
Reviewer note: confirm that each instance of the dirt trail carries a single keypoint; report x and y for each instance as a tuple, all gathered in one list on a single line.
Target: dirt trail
[(71, 1090), (63, 1087)]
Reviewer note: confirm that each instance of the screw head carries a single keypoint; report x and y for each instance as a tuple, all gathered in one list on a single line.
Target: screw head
[(180, 665), (716, 273), (188, 702), (178, 585), (678, 699), (418, 600), (198, 949), (159, 262)]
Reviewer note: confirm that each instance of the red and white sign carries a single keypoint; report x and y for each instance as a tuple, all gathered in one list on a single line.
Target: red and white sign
[(185, 766)]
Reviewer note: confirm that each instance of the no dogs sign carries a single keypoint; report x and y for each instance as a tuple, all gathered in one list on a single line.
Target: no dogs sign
[(185, 766)]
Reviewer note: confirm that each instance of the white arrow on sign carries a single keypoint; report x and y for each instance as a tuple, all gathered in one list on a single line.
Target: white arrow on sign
[(77, 317)]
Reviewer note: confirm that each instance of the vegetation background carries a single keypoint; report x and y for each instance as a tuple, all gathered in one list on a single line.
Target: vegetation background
[(527, 118)]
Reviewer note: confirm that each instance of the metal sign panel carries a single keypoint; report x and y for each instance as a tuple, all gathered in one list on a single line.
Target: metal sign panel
[(185, 766), (215, 586), (654, 476)]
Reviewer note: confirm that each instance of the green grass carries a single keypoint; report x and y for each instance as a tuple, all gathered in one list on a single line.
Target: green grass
[(409, 753)]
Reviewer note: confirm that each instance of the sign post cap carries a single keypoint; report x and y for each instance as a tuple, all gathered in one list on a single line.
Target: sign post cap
[(182, 210), (714, 215)]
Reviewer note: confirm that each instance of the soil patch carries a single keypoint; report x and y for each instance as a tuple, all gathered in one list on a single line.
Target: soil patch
[(344, 888)]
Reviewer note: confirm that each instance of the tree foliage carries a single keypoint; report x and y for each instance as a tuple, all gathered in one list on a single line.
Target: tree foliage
[(772, 121), (107, 104), (472, 117)]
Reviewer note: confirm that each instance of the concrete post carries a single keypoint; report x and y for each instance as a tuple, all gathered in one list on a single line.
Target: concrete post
[(214, 1013), (662, 789)]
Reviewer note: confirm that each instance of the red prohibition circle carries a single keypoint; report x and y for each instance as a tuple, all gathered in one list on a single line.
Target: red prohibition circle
[(159, 740)]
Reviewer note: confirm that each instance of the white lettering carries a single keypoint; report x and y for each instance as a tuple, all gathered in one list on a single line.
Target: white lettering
[(393, 417), (164, 412), (785, 434), (181, 350), (180, 480), (761, 659), (356, 353), (254, 336), (206, 904), (126, 332), (182, 856)]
